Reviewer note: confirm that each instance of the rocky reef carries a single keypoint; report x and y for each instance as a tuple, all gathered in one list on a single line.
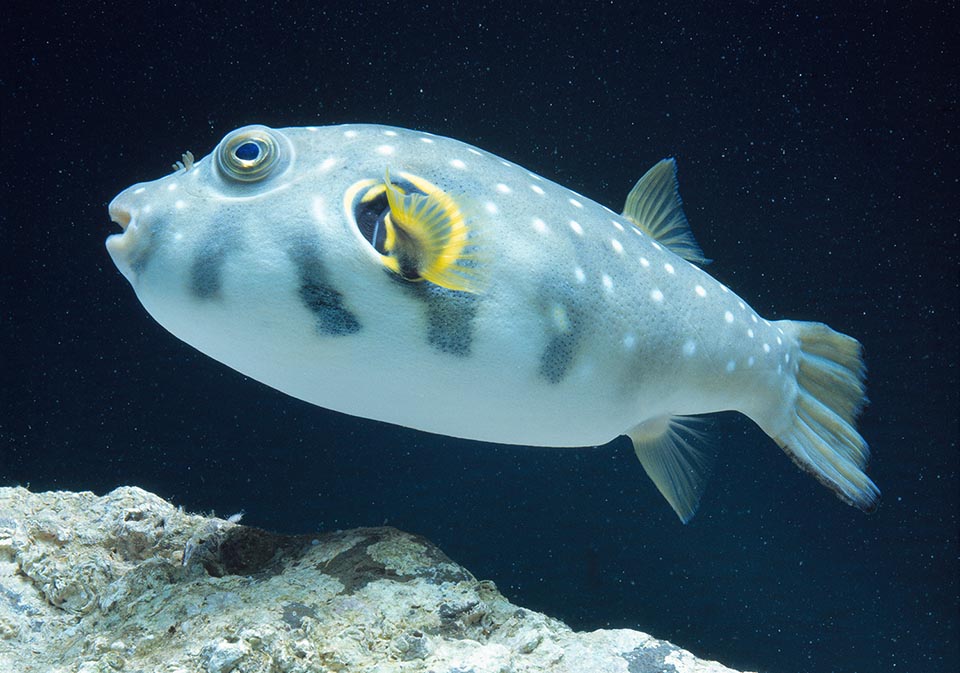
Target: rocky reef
[(128, 582)]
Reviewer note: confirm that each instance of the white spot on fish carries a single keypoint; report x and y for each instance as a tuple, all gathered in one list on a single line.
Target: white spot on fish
[(689, 348), (141, 190), (537, 189), (750, 361), (386, 150), (312, 129), (456, 163), (390, 133), (786, 358), (766, 348), (350, 134), (779, 341), (503, 189), (656, 245), (656, 295), (754, 318), (560, 319), (328, 163), (180, 205), (473, 151), (607, 282), (668, 268), (629, 341), (579, 274), (575, 203), (750, 333), (577, 229), (728, 316), (644, 262), (171, 186), (617, 246), (700, 291), (491, 207), (617, 225), (540, 225), (429, 141), (731, 365)]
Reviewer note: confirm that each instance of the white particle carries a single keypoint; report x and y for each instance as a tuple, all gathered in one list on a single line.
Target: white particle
[(689, 348), (427, 140), (754, 318), (312, 129), (700, 291), (742, 306), (178, 236), (171, 186), (180, 205), (579, 274), (656, 295), (766, 348), (390, 133), (607, 282), (731, 365), (644, 262), (456, 163), (577, 229), (140, 190), (656, 245), (491, 207), (350, 134), (540, 225), (668, 268), (575, 203), (473, 151), (503, 189), (750, 333), (617, 245), (728, 316), (779, 341), (327, 164), (724, 288), (537, 189), (147, 208), (617, 225), (385, 150)]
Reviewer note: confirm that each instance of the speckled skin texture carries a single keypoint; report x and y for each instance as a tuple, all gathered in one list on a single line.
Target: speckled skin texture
[(128, 582)]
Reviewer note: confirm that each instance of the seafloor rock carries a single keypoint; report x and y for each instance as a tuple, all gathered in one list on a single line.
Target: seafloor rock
[(128, 582)]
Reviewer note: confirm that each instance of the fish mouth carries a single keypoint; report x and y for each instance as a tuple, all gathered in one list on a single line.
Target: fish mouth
[(119, 214)]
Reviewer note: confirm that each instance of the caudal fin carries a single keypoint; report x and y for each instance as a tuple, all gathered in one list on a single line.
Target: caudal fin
[(822, 438)]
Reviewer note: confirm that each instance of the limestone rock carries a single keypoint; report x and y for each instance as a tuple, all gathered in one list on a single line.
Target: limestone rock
[(128, 582)]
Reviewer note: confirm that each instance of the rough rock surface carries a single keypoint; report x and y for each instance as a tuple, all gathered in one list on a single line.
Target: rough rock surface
[(128, 582)]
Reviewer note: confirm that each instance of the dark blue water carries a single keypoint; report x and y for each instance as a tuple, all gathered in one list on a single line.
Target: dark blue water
[(817, 154)]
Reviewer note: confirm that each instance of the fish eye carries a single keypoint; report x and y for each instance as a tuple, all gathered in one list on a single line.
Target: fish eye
[(249, 154)]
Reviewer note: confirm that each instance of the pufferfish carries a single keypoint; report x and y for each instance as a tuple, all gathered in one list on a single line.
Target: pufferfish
[(414, 279)]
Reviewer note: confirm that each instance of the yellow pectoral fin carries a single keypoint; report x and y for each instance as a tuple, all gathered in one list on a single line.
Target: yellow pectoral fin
[(431, 239)]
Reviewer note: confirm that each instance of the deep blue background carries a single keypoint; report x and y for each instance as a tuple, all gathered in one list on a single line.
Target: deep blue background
[(817, 153)]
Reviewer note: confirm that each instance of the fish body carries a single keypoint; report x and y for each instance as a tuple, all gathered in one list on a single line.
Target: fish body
[(414, 279)]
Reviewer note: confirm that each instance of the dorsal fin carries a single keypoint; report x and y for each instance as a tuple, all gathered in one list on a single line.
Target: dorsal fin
[(654, 206)]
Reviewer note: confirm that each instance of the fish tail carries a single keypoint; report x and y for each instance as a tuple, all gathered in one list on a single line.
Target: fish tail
[(821, 435)]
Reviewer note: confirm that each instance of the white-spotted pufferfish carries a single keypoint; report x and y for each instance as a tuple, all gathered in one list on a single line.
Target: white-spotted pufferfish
[(414, 279)]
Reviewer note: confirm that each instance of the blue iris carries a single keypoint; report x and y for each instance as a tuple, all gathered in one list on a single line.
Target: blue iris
[(247, 151)]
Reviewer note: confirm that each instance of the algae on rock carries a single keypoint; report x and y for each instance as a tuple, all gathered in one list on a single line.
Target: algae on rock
[(128, 582)]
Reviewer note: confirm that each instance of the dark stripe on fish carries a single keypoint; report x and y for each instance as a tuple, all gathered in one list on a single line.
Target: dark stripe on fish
[(561, 350), (333, 318), (206, 271), (450, 315)]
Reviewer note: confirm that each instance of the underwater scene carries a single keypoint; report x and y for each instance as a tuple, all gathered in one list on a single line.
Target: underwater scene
[(642, 315)]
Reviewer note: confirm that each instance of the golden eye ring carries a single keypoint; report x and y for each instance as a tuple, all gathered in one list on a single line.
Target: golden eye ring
[(248, 155)]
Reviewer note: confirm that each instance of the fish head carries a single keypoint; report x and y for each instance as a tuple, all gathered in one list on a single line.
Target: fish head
[(275, 247)]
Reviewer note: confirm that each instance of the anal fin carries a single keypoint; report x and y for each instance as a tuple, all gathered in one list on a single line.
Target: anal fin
[(676, 467)]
